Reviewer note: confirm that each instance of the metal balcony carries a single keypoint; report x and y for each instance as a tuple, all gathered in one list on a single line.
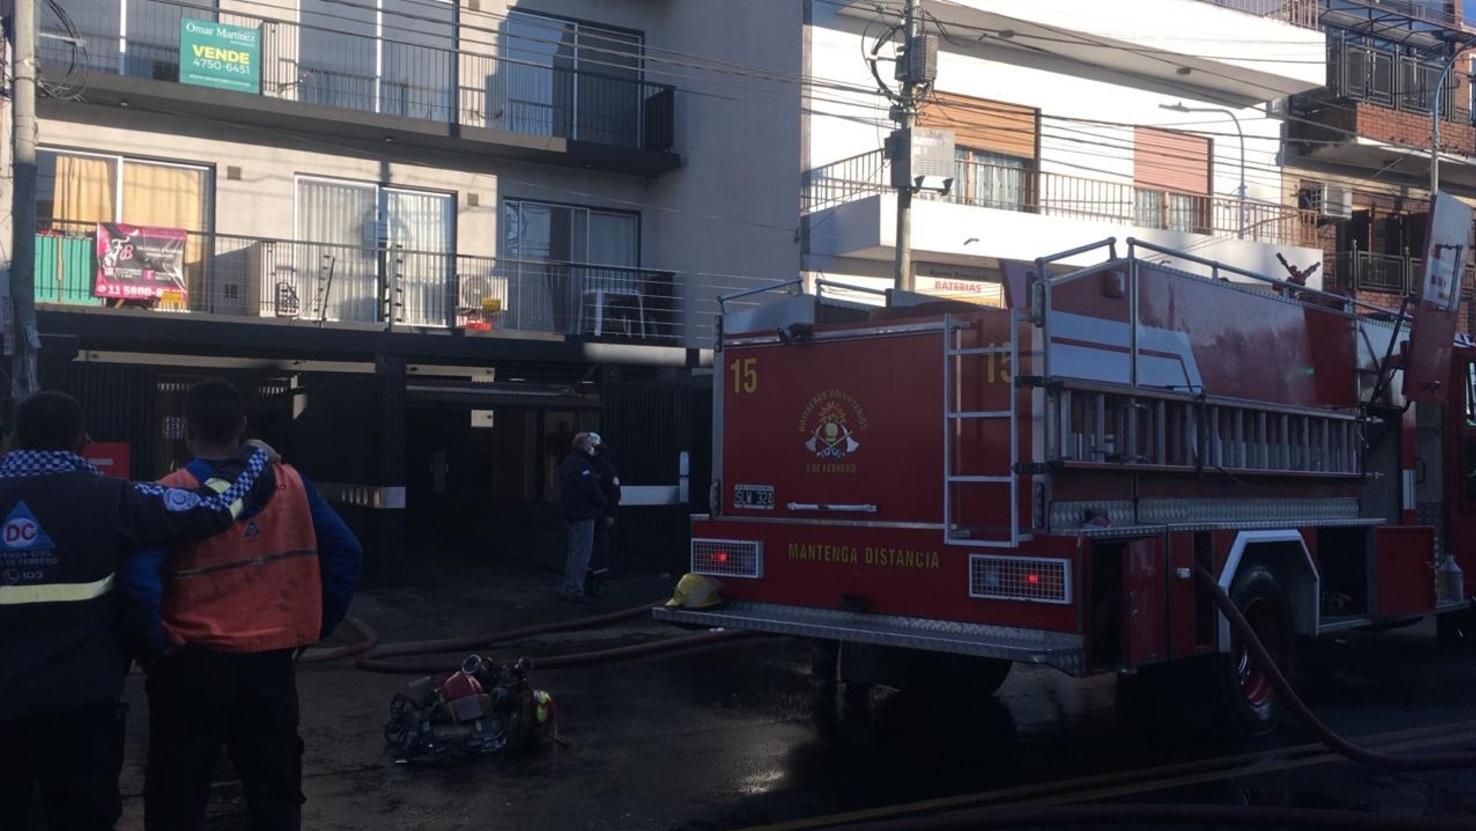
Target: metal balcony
[(436, 80), (1395, 274), (1054, 194), (1303, 13), (391, 288)]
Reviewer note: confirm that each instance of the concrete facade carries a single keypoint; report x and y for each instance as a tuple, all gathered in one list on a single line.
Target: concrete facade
[(725, 218)]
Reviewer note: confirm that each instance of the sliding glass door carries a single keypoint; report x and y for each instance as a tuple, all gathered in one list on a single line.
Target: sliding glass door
[(554, 256), (568, 79), (363, 245)]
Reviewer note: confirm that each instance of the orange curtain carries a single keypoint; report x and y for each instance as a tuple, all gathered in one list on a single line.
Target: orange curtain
[(164, 196), (86, 192)]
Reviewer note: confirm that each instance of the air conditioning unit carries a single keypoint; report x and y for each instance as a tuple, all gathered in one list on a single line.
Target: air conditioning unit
[(1335, 201)]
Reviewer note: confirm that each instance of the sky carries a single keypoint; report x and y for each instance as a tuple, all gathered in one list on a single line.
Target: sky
[(1470, 9)]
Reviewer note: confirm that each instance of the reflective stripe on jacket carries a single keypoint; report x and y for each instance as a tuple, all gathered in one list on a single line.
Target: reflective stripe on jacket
[(254, 588)]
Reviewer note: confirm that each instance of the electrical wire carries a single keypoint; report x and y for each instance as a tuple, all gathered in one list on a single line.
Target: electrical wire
[(1108, 145), (70, 85), (811, 81)]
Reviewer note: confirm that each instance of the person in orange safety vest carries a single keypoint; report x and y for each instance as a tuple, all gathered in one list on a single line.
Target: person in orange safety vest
[(229, 616)]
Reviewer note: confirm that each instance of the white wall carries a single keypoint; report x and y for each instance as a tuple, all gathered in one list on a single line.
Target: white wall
[(1060, 90), (1236, 52), (1098, 145), (956, 233)]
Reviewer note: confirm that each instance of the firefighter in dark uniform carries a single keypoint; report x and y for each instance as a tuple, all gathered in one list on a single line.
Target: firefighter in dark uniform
[(604, 469), (66, 531)]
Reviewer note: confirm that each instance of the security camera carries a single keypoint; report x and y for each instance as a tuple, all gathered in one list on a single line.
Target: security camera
[(941, 184)]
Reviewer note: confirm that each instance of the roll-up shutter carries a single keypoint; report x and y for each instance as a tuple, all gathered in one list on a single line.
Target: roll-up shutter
[(981, 124), (1170, 160)]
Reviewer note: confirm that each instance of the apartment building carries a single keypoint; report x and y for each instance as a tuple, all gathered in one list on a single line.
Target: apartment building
[(1358, 149), (1070, 123), (431, 238)]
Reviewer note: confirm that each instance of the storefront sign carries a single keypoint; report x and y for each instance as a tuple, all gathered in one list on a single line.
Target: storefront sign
[(966, 290), (139, 263), (219, 55)]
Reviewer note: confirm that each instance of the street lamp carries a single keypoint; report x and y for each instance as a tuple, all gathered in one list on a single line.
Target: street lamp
[(1180, 108), (1457, 51)]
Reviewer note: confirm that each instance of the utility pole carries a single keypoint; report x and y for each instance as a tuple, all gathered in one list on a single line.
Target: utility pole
[(905, 114), (23, 206)]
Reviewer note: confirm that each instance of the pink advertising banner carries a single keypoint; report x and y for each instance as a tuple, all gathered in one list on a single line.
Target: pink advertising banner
[(135, 263)]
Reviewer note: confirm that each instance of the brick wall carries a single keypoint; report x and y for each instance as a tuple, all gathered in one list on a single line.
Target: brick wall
[(1465, 323), (1412, 129)]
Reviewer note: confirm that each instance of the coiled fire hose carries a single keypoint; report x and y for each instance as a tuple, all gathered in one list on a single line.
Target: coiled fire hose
[(376, 657), (1289, 696)]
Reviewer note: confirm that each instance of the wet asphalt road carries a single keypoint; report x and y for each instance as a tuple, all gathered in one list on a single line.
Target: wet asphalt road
[(738, 736)]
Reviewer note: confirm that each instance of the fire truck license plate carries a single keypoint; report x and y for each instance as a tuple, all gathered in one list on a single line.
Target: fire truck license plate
[(754, 497)]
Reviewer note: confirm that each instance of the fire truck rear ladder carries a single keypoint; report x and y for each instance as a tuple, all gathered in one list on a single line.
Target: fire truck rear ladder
[(955, 355)]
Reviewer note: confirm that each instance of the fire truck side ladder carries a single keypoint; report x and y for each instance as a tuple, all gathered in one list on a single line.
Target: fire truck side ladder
[(955, 356), (1137, 427), (1128, 425)]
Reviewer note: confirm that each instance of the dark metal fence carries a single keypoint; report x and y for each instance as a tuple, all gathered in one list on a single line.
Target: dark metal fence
[(1391, 77), (431, 80), (1387, 273), (225, 274)]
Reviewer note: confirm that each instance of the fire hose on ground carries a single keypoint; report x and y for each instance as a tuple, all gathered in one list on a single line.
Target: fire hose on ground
[(374, 657), (1289, 696)]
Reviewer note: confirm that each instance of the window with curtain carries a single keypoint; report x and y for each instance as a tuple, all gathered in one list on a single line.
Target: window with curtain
[(564, 78), (989, 180), (359, 241), (417, 230), (76, 191), (552, 255)]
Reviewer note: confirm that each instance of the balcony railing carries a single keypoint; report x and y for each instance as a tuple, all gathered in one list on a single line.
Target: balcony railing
[(1054, 194), (367, 73), (331, 284), (1396, 274), (1390, 77), (1304, 13)]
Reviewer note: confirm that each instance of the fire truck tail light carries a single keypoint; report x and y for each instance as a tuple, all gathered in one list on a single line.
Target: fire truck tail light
[(728, 558), (1033, 579)]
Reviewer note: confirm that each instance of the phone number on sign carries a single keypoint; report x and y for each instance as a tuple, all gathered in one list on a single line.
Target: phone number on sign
[(222, 66)]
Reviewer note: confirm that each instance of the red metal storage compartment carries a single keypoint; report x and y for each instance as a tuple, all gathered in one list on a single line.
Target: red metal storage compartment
[(1406, 569)]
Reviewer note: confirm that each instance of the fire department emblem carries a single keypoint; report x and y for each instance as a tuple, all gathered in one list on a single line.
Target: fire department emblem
[(830, 424)]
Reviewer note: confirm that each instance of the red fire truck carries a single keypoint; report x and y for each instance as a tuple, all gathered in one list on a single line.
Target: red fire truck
[(930, 487)]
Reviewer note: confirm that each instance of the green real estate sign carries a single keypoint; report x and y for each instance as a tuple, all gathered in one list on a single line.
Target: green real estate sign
[(219, 55)]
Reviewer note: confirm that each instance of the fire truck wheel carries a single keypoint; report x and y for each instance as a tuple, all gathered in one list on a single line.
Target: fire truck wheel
[(962, 676), (1251, 703), (987, 675)]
